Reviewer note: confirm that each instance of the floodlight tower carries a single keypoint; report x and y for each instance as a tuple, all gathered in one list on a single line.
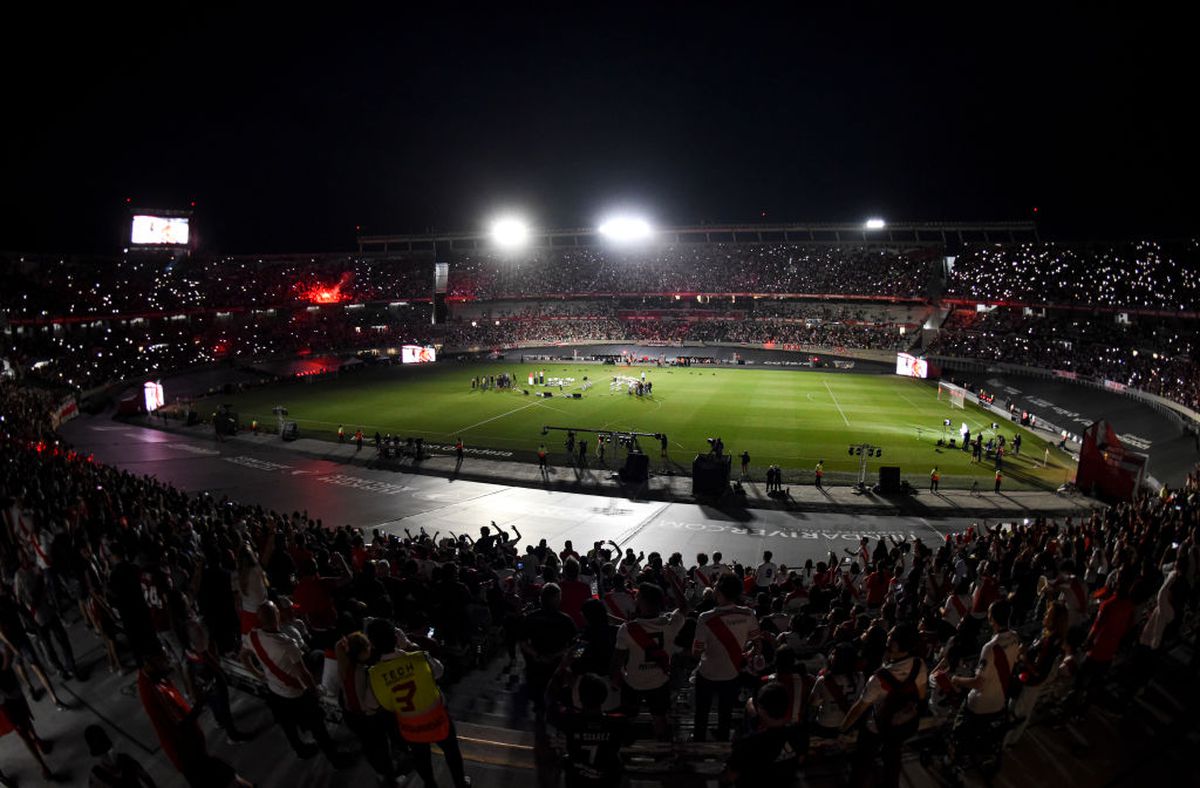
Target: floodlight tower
[(510, 232), (625, 229)]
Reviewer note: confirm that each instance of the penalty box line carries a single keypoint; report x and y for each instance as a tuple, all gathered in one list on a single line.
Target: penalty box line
[(835, 403)]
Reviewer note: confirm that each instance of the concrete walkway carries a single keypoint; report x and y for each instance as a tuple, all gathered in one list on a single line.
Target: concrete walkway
[(668, 484)]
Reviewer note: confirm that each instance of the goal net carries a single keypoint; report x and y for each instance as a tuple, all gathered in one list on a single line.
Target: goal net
[(955, 395)]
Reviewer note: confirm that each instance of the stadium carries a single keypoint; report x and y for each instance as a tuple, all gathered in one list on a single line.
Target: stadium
[(571, 494)]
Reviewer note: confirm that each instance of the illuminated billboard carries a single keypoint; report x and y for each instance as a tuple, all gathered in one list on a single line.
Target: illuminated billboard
[(159, 230), (417, 354), (911, 366)]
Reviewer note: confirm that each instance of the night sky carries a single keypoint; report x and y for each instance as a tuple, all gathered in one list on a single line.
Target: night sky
[(289, 128)]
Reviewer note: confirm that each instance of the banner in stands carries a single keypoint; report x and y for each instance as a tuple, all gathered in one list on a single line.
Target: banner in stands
[(911, 366), (1108, 470), (417, 354), (64, 412)]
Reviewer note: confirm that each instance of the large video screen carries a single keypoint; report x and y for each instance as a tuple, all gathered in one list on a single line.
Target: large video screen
[(152, 395), (911, 366), (417, 354), (159, 230)]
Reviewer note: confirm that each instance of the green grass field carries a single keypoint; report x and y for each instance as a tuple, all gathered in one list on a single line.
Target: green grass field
[(785, 417)]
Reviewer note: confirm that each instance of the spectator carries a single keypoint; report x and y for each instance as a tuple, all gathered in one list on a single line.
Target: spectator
[(721, 638)]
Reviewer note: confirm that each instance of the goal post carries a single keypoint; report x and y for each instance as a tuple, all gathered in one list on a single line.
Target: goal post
[(955, 395)]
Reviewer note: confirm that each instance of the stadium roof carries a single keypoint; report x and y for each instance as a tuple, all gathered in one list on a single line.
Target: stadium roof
[(823, 233)]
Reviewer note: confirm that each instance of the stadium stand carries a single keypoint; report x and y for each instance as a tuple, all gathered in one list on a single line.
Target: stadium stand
[(1079, 612), (1125, 312)]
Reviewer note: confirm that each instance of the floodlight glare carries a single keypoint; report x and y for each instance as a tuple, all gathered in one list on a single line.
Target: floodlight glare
[(510, 233), (626, 228), (875, 224)]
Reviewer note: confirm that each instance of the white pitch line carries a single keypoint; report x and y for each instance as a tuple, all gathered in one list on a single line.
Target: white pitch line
[(835, 403), (493, 418), (915, 406)]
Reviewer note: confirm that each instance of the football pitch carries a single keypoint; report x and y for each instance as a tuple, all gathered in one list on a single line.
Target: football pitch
[(789, 418)]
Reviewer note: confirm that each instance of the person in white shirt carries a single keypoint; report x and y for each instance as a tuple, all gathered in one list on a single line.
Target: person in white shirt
[(276, 659), (1072, 592), (836, 688), (703, 572), (893, 695), (619, 602), (955, 609), (631, 564), (764, 576), (988, 694), (642, 660), (720, 642)]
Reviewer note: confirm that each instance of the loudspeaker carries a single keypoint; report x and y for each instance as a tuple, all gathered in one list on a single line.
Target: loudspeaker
[(636, 469), (889, 479), (576, 395), (547, 395), (710, 475)]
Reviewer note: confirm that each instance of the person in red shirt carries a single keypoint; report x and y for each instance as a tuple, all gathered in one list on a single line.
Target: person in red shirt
[(313, 596), (174, 722), (876, 584), (574, 592), (1112, 623)]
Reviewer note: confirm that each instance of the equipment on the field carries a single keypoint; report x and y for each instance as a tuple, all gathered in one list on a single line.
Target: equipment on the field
[(290, 431), (864, 451), (636, 469), (889, 479), (955, 395), (710, 475)]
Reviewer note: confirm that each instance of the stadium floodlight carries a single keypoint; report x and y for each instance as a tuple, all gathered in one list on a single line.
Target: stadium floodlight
[(876, 224), (510, 232), (625, 229)]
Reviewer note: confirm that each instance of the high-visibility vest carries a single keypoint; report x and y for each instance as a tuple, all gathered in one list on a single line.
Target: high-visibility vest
[(403, 683)]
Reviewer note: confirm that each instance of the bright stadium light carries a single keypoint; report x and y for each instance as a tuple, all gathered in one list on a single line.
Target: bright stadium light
[(510, 232), (624, 229), (875, 224)]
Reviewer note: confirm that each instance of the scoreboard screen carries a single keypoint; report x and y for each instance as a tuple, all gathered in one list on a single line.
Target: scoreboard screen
[(911, 366), (417, 354), (150, 230)]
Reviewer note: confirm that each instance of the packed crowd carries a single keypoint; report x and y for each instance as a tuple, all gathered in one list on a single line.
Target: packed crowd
[(82, 356), (1136, 276), (981, 633), (52, 287), (768, 331), (75, 321), (708, 268), (1158, 356)]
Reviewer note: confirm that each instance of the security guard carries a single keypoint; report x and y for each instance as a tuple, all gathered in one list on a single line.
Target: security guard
[(405, 683)]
